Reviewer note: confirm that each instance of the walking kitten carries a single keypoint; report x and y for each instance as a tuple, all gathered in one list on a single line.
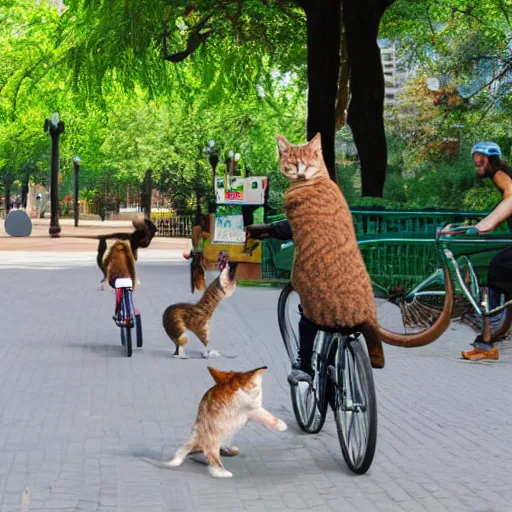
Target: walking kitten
[(328, 272), (225, 408), (177, 318)]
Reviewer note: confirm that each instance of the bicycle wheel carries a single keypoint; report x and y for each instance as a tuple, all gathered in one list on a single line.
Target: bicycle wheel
[(138, 329), (417, 316), (288, 316), (355, 405), (126, 332), (309, 400), (500, 323), (126, 340)]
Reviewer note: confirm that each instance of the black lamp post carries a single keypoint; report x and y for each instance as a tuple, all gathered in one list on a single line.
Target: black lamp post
[(213, 157), (54, 127), (76, 165)]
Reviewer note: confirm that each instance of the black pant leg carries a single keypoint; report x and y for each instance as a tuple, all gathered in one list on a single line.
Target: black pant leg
[(499, 275), (307, 334)]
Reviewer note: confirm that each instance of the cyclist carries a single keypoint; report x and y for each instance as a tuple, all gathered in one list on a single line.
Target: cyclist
[(281, 230), (489, 164)]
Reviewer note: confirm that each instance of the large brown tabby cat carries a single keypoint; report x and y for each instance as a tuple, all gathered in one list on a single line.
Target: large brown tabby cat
[(328, 272), (225, 408), (177, 318)]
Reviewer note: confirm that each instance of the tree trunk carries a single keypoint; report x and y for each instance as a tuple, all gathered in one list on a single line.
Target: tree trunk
[(147, 193), (323, 38), (365, 113), (24, 192), (198, 208)]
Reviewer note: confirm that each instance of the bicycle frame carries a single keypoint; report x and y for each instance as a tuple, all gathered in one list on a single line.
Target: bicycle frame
[(447, 255), (447, 258), (321, 351), (124, 307)]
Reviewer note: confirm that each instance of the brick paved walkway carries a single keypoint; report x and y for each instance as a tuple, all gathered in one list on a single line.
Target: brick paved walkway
[(76, 416)]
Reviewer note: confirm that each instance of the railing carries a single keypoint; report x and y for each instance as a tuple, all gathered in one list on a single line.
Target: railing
[(172, 225), (408, 254)]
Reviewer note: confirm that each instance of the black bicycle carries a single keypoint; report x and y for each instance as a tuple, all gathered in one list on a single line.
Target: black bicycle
[(127, 316), (342, 377)]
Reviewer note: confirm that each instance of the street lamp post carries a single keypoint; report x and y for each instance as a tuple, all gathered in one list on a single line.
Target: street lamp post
[(54, 127), (213, 157), (76, 165)]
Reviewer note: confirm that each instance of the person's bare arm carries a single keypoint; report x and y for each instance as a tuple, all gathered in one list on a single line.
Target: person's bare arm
[(504, 210)]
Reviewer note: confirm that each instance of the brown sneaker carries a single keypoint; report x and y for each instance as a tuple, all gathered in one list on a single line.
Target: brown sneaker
[(479, 354)]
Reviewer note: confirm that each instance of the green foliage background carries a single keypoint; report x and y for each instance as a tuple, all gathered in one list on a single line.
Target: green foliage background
[(128, 111)]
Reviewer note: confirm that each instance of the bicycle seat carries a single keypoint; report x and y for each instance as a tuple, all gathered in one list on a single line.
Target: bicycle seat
[(123, 282), (332, 330)]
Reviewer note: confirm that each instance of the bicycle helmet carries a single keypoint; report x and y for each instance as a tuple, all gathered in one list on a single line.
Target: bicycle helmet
[(486, 148)]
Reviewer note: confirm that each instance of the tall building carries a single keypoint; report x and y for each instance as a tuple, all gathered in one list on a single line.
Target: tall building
[(395, 72)]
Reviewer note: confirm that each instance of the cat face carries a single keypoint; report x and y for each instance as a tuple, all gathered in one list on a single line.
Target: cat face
[(303, 162)]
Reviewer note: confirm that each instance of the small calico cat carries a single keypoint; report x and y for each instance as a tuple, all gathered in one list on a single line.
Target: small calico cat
[(196, 317), (328, 271), (225, 408), (197, 270)]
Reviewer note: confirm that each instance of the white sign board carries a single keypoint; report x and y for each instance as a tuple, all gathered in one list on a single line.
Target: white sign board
[(240, 190), (229, 229)]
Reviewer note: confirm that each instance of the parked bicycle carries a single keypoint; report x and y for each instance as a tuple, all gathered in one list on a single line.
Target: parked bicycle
[(453, 289), (126, 315)]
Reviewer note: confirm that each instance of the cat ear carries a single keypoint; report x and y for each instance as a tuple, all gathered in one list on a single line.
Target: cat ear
[(282, 143), (316, 142), (219, 376), (258, 371)]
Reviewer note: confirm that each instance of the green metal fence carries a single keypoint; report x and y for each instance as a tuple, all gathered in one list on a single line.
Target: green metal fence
[(397, 246)]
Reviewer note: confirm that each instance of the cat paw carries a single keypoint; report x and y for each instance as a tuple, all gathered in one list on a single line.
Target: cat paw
[(208, 354), (281, 426), (177, 461), (219, 472), (229, 451), (180, 354)]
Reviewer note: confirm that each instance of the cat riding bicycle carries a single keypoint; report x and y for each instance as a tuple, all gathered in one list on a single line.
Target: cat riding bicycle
[(337, 306)]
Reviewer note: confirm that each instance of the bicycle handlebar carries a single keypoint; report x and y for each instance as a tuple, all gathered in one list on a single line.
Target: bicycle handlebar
[(458, 229)]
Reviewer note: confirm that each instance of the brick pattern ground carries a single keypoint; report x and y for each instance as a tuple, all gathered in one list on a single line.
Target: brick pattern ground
[(76, 416)]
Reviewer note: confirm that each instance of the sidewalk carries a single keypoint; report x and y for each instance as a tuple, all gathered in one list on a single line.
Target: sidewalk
[(77, 417), (41, 241)]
